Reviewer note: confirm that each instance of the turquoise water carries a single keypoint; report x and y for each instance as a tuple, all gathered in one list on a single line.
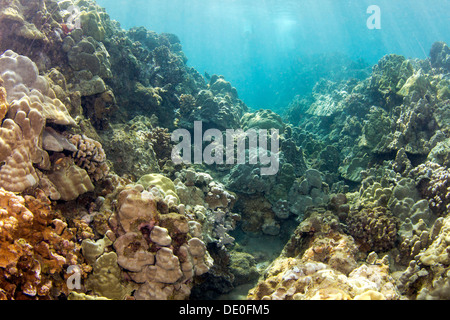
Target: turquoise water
[(271, 50)]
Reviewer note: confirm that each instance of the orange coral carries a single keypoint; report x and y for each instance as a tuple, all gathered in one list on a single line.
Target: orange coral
[(35, 245)]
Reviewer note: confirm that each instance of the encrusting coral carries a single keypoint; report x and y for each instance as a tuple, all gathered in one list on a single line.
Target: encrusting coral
[(35, 246)]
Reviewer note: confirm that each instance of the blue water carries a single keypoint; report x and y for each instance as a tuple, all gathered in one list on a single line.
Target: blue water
[(272, 50)]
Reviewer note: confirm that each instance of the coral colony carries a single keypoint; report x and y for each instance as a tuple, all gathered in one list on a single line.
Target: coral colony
[(125, 174)]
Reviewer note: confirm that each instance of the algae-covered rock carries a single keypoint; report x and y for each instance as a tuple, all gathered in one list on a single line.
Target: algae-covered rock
[(90, 61), (129, 148), (442, 114), (219, 85), (329, 98), (443, 89), (91, 25), (243, 267), (352, 169), (441, 153), (388, 77), (217, 107), (377, 126), (413, 128), (417, 82), (440, 55), (306, 192), (390, 74)]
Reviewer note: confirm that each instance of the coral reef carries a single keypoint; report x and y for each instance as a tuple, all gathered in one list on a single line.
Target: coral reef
[(92, 206), (307, 192), (439, 55), (433, 183), (26, 90), (3, 102), (161, 143), (20, 151), (129, 148), (262, 119), (89, 61)]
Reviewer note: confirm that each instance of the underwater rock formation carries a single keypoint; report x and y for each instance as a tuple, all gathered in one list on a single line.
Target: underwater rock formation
[(440, 56)]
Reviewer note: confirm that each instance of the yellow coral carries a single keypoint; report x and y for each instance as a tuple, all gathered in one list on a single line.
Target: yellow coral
[(3, 102), (34, 246), (330, 294), (161, 182), (437, 252), (91, 25)]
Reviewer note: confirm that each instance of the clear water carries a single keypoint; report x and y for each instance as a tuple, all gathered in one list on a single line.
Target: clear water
[(264, 46)]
